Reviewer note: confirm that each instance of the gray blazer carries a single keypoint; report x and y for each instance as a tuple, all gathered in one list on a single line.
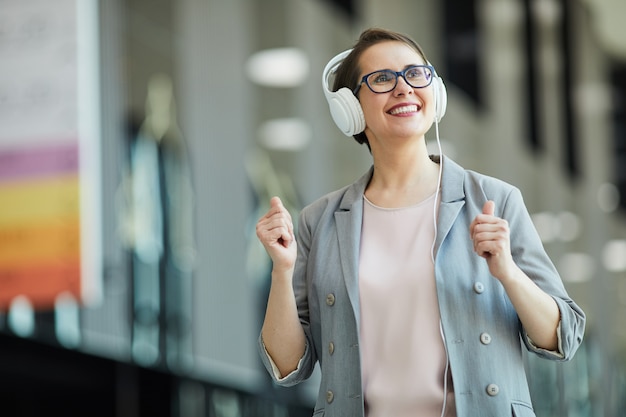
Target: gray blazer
[(482, 330)]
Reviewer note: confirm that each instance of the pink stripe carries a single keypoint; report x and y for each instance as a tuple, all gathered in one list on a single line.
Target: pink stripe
[(38, 161)]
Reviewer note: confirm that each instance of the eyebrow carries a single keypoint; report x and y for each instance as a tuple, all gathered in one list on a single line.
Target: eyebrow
[(405, 67)]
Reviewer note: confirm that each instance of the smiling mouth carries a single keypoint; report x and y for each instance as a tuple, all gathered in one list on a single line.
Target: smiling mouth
[(404, 109)]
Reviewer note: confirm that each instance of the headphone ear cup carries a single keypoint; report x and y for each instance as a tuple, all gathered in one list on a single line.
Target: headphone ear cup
[(441, 98), (346, 111)]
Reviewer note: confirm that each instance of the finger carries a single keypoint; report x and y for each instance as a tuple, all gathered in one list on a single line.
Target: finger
[(279, 236), (472, 228), (482, 252), (487, 216), (282, 236), (285, 231), (277, 206), (493, 231), (274, 223), (276, 202), (489, 208), (489, 248), (486, 244), (478, 226), (277, 228)]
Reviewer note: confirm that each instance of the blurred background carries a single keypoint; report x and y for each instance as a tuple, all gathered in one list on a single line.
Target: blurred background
[(140, 140)]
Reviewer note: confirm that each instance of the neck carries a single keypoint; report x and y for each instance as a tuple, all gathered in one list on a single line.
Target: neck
[(403, 178)]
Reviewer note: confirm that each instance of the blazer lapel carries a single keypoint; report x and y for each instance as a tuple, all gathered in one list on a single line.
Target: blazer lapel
[(452, 198), (348, 219)]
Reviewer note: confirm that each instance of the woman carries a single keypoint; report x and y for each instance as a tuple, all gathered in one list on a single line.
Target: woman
[(406, 285)]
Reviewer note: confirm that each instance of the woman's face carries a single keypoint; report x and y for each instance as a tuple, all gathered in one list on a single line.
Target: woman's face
[(403, 113)]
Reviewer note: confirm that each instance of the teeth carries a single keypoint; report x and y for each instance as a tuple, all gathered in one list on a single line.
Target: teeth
[(404, 109)]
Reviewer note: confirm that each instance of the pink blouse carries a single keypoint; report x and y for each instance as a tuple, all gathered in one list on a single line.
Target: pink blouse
[(403, 357)]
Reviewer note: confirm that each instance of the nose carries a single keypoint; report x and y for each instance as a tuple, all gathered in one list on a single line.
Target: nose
[(402, 87)]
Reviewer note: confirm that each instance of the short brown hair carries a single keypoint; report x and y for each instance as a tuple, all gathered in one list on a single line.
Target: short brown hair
[(347, 74)]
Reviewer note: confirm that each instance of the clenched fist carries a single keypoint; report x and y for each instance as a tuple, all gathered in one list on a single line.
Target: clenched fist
[(275, 231), (491, 238)]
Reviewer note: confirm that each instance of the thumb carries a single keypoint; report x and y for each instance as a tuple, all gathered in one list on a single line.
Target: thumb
[(489, 208), (275, 202)]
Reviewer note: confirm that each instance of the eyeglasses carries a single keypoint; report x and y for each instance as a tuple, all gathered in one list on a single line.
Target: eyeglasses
[(383, 81)]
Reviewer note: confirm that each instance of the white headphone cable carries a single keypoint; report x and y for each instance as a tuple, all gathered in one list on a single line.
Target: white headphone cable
[(445, 374), (432, 254), (436, 203)]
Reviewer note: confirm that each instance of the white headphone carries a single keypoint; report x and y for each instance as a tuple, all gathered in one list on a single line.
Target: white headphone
[(345, 108)]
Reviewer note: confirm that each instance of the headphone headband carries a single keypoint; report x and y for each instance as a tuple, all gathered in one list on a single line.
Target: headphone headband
[(331, 68)]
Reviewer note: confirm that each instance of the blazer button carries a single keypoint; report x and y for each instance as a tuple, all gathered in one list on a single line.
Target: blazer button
[(330, 299), (493, 390), (331, 348), (479, 287), (485, 338), (329, 396)]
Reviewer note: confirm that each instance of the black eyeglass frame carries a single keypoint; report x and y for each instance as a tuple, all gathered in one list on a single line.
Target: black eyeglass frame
[(396, 75)]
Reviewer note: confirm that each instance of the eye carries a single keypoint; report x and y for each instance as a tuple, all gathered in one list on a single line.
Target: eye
[(416, 73), (381, 77)]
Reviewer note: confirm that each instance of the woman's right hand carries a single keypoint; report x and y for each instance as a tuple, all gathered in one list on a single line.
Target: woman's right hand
[(282, 333), (275, 231)]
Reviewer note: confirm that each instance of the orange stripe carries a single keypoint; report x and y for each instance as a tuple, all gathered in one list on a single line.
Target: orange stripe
[(41, 283)]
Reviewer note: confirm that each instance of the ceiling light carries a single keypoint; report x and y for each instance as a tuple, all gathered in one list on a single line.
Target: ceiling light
[(286, 134), (569, 226), (278, 67), (576, 267), (608, 197), (545, 224), (614, 255)]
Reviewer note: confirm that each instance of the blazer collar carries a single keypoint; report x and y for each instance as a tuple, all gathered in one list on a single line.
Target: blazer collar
[(355, 192), (452, 189), (452, 199), (452, 179)]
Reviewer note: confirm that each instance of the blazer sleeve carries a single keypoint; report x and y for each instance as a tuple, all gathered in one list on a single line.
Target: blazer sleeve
[(306, 364), (530, 255)]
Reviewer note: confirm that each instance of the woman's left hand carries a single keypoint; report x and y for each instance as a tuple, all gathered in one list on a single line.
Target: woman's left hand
[(537, 310), (491, 238)]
